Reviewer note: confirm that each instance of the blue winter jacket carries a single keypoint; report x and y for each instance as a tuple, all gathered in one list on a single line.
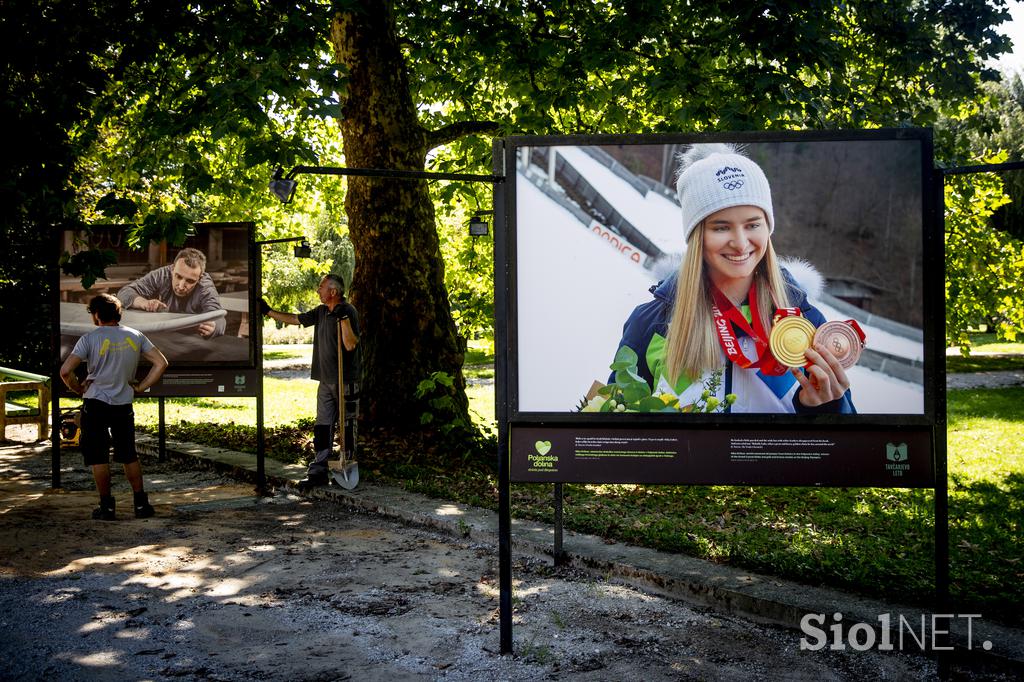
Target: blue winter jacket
[(756, 392)]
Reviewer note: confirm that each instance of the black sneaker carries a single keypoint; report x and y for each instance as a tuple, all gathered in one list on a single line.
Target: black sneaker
[(143, 509), (312, 481), (104, 512)]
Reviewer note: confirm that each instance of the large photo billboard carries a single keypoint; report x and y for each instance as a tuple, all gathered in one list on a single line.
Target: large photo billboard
[(193, 301), (598, 226), (761, 280)]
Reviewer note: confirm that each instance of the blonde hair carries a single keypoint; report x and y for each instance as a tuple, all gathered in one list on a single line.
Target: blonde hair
[(691, 346)]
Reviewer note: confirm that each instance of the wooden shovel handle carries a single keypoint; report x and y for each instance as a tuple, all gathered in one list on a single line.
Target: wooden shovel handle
[(341, 397)]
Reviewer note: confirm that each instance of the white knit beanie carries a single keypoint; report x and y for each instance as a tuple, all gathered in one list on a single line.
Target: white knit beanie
[(716, 176)]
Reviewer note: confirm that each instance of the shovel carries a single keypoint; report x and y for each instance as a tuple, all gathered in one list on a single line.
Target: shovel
[(345, 471)]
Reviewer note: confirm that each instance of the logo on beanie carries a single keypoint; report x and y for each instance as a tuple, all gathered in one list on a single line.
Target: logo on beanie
[(729, 178)]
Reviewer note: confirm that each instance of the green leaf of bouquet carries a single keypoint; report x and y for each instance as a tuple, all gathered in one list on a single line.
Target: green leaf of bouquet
[(628, 377), (625, 358), (636, 391), (650, 404)]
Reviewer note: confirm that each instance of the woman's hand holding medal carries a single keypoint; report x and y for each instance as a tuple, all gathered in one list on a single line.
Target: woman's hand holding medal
[(829, 351), (824, 380)]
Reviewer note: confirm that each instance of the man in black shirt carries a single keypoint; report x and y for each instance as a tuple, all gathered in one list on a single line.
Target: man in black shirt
[(333, 314)]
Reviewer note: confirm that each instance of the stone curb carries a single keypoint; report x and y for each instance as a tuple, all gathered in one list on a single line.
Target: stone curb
[(757, 597)]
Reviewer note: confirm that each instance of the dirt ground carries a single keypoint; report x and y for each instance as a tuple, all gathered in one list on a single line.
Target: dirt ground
[(222, 585)]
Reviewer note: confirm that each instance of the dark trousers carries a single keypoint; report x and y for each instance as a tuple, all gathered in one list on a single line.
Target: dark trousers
[(326, 421), (103, 423)]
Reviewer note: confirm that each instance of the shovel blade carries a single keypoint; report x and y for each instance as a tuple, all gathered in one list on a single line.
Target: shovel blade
[(345, 474)]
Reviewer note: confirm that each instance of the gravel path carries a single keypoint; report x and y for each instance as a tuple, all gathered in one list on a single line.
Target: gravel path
[(222, 585), (1003, 379)]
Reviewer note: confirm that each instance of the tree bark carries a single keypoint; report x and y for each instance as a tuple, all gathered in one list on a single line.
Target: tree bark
[(407, 329)]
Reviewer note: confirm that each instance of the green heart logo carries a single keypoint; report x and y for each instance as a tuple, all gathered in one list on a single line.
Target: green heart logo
[(543, 446)]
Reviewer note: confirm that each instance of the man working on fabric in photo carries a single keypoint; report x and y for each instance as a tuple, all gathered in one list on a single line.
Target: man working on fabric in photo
[(182, 287), (111, 353), (325, 318)]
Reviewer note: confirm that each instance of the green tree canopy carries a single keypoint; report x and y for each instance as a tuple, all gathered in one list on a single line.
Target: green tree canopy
[(985, 215), (203, 100)]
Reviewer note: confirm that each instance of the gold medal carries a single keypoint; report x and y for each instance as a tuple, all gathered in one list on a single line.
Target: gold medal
[(789, 338), (842, 340)]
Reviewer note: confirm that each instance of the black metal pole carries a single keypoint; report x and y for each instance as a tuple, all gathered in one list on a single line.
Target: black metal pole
[(395, 174), (559, 553), (161, 450), (261, 448), (277, 241), (983, 168), (501, 407), (939, 436), (257, 327), (55, 381)]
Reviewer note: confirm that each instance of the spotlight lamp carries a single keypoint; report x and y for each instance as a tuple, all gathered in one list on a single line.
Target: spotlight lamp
[(283, 188), (302, 250), (478, 227)]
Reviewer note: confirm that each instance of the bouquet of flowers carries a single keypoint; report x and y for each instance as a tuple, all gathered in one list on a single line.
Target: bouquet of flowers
[(630, 392)]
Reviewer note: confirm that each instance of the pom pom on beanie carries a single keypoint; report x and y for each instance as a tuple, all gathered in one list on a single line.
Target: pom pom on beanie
[(714, 176)]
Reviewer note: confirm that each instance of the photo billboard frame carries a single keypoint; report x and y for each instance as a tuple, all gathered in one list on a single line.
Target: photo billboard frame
[(225, 364), (891, 448)]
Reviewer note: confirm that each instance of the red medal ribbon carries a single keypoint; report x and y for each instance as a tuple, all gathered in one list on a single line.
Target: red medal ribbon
[(856, 328), (726, 315)]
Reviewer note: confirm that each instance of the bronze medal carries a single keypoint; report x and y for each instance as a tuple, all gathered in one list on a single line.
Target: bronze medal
[(842, 340), (789, 338)]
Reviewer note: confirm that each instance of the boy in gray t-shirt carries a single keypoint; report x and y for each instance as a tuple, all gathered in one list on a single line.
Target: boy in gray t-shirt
[(111, 353)]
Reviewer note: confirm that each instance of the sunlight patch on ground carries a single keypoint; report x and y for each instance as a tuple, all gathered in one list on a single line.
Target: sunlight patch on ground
[(227, 588), (449, 510), (14, 501), (99, 659), (136, 633), (133, 557)]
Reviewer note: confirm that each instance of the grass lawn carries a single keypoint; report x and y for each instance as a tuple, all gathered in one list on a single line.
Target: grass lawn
[(290, 351), (984, 363), (479, 373), (987, 354), (986, 495)]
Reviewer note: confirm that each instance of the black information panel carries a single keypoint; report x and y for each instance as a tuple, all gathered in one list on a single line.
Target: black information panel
[(700, 456), (211, 382)]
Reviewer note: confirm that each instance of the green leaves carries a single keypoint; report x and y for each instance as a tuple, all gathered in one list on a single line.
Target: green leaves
[(629, 392), (625, 359), (984, 267), (89, 265), (172, 226), (116, 209)]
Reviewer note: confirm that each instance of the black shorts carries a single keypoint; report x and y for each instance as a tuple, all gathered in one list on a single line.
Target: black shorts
[(103, 422)]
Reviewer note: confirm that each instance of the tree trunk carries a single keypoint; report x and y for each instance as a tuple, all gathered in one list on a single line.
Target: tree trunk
[(407, 330)]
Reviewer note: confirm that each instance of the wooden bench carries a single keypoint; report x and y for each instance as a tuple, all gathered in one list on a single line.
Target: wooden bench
[(16, 381)]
